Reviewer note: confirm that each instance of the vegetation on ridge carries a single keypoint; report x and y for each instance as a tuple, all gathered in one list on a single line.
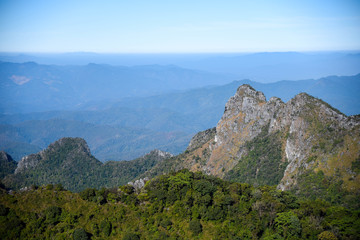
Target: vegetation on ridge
[(181, 205)]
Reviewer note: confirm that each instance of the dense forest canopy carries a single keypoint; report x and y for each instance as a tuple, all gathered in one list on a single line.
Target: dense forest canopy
[(179, 205)]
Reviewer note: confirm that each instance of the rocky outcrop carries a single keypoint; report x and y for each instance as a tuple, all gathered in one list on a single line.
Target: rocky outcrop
[(138, 184), (201, 138), (76, 145), (309, 131), (158, 154), (7, 164)]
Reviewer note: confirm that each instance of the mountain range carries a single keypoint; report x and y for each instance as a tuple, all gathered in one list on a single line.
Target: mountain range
[(262, 67), (304, 145), (129, 128)]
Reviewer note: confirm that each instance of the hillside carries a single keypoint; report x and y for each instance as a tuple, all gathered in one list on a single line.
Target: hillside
[(7, 164), (69, 162), (303, 145), (172, 119), (182, 205)]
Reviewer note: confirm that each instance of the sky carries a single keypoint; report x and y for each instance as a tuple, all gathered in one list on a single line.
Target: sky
[(184, 26)]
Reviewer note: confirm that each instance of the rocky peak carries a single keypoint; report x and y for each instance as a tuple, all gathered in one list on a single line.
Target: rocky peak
[(4, 157), (72, 146), (297, 127), (77, 144), (7, 164)]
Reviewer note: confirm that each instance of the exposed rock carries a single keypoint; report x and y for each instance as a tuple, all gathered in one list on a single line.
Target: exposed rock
[(201, 138), (158, 153), (7, 164), (300, 124), (139, 184), (79, 146)]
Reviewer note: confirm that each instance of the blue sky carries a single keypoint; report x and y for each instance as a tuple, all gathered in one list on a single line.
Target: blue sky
[(143, 26)]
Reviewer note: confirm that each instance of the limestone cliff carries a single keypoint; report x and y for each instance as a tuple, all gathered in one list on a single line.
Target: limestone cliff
[(272, 142)]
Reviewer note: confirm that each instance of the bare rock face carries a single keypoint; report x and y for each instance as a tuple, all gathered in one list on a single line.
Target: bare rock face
[(308, 129), (201, 138)]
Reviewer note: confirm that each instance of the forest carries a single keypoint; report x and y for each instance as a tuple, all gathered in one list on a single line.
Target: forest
[(178, 205)]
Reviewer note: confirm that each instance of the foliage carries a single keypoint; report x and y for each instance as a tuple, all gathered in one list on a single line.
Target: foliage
[(312, 185), (80, 234), (287, 225), (195, 226), (179, 205), (263, 163), (327, 235), (68, 164)]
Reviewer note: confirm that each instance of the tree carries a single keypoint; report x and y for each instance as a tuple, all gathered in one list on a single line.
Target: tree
[(327, 235), (195, 226), (80, 234), (287, 224)]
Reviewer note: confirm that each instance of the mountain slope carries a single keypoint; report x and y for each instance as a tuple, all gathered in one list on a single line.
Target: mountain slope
[(272, 142), (69, 162), (7, 164), (171, 118)]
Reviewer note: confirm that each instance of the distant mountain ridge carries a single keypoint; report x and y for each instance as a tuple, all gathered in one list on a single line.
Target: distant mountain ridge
[(304, 145), (171, 118), (69, 162), (32, 87), (261, 67)]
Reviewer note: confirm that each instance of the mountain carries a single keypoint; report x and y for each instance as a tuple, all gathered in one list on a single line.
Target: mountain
[(165, 121), (107, 142), (304, 145), (261, 67), (7, 164), (32, 87), (69, 162)]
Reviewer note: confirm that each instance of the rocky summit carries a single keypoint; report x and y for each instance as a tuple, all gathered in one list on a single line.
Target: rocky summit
[(272, 142)]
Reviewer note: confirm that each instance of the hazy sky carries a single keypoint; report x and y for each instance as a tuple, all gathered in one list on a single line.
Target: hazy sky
[(179, 26)]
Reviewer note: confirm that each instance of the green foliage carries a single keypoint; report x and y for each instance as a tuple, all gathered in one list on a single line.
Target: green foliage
[(311, 185), (7, 164), (263, 163), (52, 215), (195, 226), (131, 236), (80, 234), (70, 166), (327, 235), (288, 225), (180, 205), (105, 227)]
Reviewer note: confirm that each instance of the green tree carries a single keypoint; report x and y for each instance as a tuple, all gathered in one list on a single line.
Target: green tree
[(327, 235), (80, 234), (287, 224), (195, 226)]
